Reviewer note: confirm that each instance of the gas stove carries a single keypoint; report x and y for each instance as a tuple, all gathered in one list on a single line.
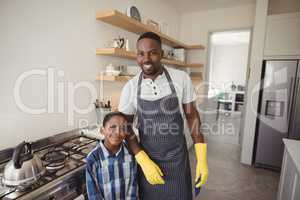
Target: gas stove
[(64, 157)]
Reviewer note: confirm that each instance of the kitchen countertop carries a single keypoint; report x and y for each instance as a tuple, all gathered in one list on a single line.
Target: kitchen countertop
[(293, 147)]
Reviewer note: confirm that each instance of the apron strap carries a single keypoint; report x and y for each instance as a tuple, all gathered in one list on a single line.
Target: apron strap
[(170, 81)]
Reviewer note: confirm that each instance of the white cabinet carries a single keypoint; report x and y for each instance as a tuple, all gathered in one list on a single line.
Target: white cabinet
[(297, 188), (289, 186), (283, 35)]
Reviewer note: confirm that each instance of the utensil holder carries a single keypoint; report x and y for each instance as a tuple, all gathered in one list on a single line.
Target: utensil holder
[(100, 114)]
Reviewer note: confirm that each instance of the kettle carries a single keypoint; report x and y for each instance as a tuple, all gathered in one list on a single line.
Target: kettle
[(24, 169)]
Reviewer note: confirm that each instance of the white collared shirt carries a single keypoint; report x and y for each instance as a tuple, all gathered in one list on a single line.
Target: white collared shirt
[(159, 88)]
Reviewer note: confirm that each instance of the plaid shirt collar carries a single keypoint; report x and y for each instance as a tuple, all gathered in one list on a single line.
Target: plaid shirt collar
[(107, 155)]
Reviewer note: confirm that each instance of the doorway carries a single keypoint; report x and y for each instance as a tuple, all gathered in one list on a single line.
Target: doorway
[(226, 77)]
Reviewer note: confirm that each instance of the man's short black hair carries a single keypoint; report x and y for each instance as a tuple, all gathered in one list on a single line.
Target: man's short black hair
[(150, 35), (111, 115)]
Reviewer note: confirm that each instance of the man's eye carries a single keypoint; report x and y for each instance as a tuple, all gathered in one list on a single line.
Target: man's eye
[(140, 54), (153, 53)]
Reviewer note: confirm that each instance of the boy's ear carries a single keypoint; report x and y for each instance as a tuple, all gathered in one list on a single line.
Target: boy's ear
[(101, 130)]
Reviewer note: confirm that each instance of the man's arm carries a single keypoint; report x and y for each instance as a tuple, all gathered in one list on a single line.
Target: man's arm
[(193, 121), (152, 172), (194, 124), (131, 138)]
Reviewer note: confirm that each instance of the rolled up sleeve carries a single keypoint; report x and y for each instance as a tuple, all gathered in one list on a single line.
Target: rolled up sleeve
[(189, 94), (126, 104)]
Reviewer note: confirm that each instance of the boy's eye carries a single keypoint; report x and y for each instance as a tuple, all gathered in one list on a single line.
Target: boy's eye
[(113, 126), (124, 128)]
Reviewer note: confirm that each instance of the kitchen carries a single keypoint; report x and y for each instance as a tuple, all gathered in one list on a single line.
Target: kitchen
[(51, 72)]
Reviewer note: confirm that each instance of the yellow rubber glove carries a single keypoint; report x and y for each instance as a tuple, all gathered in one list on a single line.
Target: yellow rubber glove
[(151, 171), (201, 168)]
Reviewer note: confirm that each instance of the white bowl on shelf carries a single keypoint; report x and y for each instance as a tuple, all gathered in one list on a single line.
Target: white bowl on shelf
[(113, 73)]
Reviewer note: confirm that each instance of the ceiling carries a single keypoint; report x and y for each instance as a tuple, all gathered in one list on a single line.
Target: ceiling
[(184, 6)]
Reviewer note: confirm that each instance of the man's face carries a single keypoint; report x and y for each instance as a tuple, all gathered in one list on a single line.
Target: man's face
[(149, 54)]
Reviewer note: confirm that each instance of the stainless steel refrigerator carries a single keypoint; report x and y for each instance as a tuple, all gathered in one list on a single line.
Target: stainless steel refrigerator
[(278, 111)]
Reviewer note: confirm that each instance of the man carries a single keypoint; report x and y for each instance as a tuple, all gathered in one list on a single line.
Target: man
[(158, 97)]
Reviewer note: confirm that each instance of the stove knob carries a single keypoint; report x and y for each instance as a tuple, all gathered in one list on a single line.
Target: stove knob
[(51, 198)]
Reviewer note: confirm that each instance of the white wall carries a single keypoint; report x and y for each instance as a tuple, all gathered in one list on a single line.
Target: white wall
[(61, 35), (257, 48), (195, 27), (229, 64)]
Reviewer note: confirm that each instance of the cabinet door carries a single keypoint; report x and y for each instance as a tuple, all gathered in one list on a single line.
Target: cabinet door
[(282, 35), (287, 178)]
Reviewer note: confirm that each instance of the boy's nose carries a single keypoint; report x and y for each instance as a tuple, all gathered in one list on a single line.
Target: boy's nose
[(118, 130)]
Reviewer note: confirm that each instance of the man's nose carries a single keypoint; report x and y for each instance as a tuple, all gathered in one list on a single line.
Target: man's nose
[(146, 57)]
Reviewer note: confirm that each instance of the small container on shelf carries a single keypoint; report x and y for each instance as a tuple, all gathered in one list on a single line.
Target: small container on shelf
[(101, 110)]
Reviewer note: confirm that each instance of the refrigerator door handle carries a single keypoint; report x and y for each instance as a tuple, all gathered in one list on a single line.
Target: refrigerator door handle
[(292, 104), (290, 99)]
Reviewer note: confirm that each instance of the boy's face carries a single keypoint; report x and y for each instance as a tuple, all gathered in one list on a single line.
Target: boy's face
[(115, 130)]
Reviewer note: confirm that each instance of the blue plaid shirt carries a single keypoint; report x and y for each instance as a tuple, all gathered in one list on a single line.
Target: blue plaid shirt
[(111, 177)]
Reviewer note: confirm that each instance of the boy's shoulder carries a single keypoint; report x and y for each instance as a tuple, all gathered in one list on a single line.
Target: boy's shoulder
[(94, 155)]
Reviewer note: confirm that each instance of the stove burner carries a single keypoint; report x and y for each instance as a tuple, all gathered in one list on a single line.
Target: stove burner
[(54, 159), (53, 167)]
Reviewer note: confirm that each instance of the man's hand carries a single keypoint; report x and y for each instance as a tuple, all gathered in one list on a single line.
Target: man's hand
[(201, 167), (151, 171)]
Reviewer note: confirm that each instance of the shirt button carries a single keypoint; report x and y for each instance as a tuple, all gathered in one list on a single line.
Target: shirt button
[(155, 93), (154, 87)]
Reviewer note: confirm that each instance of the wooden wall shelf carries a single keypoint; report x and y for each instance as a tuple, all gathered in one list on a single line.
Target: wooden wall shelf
[(121, 20), (103, 77), (117, 52), (132, 55), (196, 78)]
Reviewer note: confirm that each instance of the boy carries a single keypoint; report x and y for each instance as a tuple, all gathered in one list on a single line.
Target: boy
[(110, 168)]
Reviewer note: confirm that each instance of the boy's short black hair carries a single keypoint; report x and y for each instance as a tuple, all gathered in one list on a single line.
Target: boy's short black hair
[(110, 115), (150, 35)]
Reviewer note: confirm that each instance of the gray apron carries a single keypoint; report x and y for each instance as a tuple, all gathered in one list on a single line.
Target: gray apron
[(160, 126)]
